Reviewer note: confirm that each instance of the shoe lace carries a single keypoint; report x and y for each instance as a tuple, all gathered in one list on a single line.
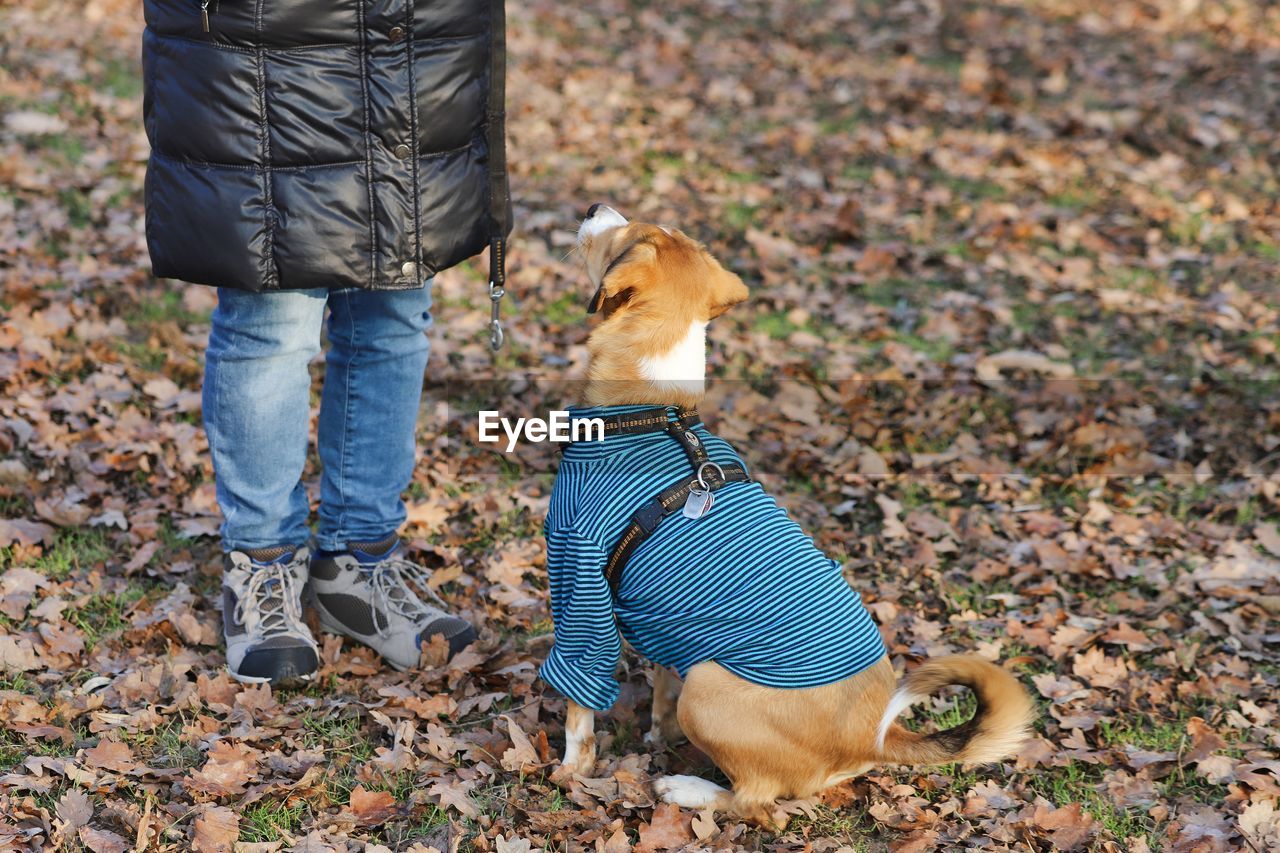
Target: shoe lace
[(270, 602), (393, 582)]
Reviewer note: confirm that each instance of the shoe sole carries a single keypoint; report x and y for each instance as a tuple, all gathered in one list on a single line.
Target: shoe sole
[(282, 681)]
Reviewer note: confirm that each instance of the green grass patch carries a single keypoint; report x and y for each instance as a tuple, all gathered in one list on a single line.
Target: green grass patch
[(779, 325), (64, 146), (14, 506), (775, 324), (399, 836), (1265, 250), (738, 216), (75, 202), (566, 309), (165, 746), (970, 188), (121, 78), (165, 306), (941, 714), (1079, 194), (1144, 732), (266, 820), (888, 292), (338, 736), (400, 785), (937, 350), (849, 825), (104, 615), (73, 549), (1081, 783), (149, 358)]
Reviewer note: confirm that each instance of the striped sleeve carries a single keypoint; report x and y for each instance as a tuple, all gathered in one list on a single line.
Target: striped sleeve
[(582, 661)]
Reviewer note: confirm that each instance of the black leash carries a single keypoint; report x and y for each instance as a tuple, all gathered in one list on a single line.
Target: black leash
[(691, 494), (499, 197)]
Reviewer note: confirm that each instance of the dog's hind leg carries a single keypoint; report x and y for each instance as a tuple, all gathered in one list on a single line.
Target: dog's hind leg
[(665, 728), (693, 792)]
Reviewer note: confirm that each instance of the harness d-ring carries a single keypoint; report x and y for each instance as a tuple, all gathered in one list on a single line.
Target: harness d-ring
[(702, 482)]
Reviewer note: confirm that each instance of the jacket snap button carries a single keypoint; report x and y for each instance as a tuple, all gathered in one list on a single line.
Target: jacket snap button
[(408, 268), (403, 152), (395, 33)]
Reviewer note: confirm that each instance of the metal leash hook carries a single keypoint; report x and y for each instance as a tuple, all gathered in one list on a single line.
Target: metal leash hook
[(496, 337), (497, 290)]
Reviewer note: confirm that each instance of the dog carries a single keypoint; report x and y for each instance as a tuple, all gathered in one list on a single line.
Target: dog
[(658, 533)]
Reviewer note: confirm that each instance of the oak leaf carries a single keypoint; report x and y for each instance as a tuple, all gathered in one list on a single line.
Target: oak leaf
[(103, 840), (75, 809), (454, 795), (24, 532), (1069, 827), (668, 829), (216, 830), (18, 655), (229, 768), (111, 755), (372, 807), (522, 757), (704, 825)]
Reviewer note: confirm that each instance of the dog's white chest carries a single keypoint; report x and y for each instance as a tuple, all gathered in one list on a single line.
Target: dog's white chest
[(685, 362)]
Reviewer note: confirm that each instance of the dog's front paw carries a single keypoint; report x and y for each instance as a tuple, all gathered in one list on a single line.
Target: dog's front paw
[(579, 759), (655, 740), (583, 766)]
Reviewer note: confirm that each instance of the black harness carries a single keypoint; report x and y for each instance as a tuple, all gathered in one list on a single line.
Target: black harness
[(707, 477)]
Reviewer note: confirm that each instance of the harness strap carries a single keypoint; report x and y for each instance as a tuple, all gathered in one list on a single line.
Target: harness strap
[(656, 419), (646, 519), (689, 443)]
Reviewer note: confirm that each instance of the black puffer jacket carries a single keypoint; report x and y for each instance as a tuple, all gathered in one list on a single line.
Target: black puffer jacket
[(322, 143)]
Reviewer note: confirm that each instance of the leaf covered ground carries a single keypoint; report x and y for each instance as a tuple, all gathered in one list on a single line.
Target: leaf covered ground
[(1011, 354)]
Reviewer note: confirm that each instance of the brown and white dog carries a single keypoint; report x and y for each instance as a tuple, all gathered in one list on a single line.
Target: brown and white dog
[(657, 289)]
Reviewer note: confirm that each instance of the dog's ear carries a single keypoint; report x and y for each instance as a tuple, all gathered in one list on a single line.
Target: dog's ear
[(622, 273), (596, 301), (727, 290)]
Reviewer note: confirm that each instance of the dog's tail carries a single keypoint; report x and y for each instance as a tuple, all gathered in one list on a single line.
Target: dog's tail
[(999, 726)]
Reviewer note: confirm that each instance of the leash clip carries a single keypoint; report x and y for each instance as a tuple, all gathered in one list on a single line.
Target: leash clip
[(496, 337), (700, 497), (701, 468)]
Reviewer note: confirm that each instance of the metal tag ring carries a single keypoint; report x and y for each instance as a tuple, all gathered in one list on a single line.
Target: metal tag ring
[(702, 482)]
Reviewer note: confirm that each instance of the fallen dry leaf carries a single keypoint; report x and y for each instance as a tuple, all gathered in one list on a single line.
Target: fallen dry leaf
[(103, 840), (668, 829), (110, 755), (372, 807), (522, 757), (75, 809), (215, 830)]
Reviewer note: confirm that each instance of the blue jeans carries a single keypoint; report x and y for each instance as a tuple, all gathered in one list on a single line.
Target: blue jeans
[(257, 412)]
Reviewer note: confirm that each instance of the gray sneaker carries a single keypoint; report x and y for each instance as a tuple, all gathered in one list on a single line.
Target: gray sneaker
[(369, 595), (267, 640)]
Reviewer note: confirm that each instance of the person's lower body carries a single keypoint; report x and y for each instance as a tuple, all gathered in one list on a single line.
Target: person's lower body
[(257, 412)]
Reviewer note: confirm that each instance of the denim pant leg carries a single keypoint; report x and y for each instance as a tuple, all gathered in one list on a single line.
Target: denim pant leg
[(257, 412), (369, 411)]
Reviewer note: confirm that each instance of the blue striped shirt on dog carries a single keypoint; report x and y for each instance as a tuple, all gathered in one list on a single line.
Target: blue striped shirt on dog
[(743, 585)]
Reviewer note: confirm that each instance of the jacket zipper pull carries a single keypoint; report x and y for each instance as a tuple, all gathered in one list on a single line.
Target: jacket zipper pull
[(204, 14)]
